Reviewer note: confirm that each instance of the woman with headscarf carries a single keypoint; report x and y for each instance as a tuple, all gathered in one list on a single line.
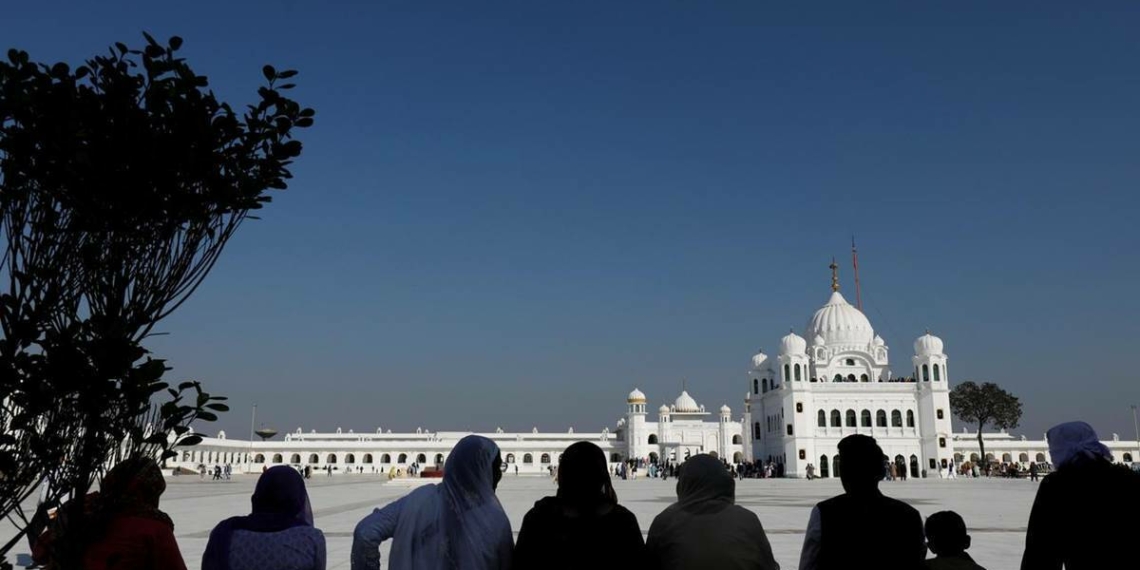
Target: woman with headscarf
[(120, 526), (582, 526), (457, 524), (705, 528), (278, 535), (1085, 508)]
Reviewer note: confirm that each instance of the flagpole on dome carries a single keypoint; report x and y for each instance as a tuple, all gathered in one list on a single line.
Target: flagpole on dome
[(855, 262)]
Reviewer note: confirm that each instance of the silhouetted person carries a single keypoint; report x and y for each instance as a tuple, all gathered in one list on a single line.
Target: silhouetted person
[(582, 526), (1033, 471), (124, 527), (458, 523), (862, 528), (705, 528), (277, 535), (946, 536), (1085, 510)]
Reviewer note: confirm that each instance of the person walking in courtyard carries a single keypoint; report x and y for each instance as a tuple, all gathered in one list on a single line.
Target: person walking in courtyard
[(1033, 471), (1085, 508), (124, 527), (862, 528), (277, 535), (946, 536), (458, 523), (705, 528), (583, 522)]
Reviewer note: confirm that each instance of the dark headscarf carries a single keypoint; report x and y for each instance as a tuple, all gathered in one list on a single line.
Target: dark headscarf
[(1072, 442), (131, 488), (584, 478), (280, 502), (705, 485)]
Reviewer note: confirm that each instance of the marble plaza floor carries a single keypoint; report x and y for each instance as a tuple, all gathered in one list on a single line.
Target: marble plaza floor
[(996, 510)]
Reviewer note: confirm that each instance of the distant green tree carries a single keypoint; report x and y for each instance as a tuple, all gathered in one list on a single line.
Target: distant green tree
[(985, 404), (121, 182)]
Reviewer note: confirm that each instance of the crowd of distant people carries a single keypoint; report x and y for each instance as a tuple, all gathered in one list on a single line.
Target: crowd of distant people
[(1085, 503)]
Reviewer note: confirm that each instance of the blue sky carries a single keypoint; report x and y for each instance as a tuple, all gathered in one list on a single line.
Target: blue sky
[(511, 214)]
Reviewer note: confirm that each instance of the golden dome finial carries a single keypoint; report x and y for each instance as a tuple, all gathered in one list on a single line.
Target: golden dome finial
[(834, 275)]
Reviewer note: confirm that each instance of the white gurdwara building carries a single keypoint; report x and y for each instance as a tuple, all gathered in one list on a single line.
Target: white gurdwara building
[(814, 393)]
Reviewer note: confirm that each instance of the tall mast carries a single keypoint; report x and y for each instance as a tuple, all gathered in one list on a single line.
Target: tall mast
[(855, 262)]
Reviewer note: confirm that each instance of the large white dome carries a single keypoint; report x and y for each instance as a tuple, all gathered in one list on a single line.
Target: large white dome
[(840, 323), (927, 345), (792, 344), (685, 403)]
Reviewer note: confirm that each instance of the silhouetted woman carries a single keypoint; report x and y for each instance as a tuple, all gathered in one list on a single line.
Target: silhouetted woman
[(277, 535), (123, 527), (582, 526), (1085, 509), (457, 524), (705, 528)]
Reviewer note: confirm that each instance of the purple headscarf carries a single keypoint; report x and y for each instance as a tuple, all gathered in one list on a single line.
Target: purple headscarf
[(1072, 441), (280, 502)]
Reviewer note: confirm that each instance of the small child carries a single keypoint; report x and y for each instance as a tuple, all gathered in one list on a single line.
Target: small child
[(946, 536)]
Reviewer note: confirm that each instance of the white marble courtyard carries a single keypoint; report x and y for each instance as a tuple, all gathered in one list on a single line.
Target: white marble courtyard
[(996, 510)]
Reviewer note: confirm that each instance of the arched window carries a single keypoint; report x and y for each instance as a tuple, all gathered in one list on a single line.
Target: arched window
[(738, 457), (439, 459), (973, 458), (850, 377), (755, 386), (865, 418), (510, 458), (737, 440), (545, 458), (824, 472), (925, 373), (850, 418), (937, 376), (615, 458), (822, 419), (385, 459), (402, 459), (910, 418), (1023, 457), (313, 459), (896, 418), (864, 378), (914, 466), (838, 378), (421, 459), (350, 458), (1006, 458), (765, 385), (787, 372), (528, 459), (797, 369), (295, 459), (259, 458), (1041, 458), (958, 458), (330, 459), (835, 418), (835, 466), (368, 458), (652, 439), (1127, 457), (277, 458), (881, 418)]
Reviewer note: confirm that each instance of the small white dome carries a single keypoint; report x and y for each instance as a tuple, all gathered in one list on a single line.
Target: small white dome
[(927, 345), (663, 409), (817, 341), (685, 403), (792, 344), (840, 323), (758, 360), (636, 397), (879, 341), (725, 409)]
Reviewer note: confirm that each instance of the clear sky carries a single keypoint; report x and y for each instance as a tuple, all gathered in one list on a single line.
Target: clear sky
[(511, 214)]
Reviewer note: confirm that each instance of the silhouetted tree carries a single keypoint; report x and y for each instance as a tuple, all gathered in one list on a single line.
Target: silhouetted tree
[(985, 404), (121, 182)]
